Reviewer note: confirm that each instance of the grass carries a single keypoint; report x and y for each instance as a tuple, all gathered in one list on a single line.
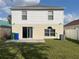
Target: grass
[(62, 49), (52, 49)]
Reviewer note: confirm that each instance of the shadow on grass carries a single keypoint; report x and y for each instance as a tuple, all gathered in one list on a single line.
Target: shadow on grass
[(4, 52), (57, 39), (31, 51), (24, 50), (73, 40), (53, 39)]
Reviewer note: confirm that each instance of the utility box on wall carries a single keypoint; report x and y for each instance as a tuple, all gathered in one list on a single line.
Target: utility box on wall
[(62, 37)]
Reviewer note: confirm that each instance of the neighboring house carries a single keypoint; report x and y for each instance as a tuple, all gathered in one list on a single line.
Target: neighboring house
[(72, 30), (5, 29), (37, 22)]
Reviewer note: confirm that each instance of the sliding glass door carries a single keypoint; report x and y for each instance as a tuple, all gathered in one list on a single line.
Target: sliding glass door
[(27, 32)]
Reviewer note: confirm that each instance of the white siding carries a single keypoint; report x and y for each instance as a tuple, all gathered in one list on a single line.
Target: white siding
[(58, 16), (37, 17), (16, 17), (72, 33)]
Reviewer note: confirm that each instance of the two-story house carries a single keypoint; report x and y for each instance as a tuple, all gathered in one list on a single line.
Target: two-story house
[(36, 23)]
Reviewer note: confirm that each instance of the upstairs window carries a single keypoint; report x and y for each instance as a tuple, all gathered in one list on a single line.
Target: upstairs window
[(50, 15), (49, 31), (24, 14)]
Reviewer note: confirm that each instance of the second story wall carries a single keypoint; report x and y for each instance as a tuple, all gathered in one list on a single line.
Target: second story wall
[(37, 17)]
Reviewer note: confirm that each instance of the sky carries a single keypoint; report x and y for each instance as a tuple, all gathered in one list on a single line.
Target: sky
[(71, 7)]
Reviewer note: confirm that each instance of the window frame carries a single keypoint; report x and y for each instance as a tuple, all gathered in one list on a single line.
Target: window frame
[(49, 32), (28, 31), (46, 32), (50, 16), (24, 14)]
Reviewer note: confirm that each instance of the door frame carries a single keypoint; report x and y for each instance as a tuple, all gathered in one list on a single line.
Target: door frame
[(28, 32)]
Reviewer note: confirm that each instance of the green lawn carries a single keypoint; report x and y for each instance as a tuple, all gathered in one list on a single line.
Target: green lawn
[(62, 49), (52, 49)]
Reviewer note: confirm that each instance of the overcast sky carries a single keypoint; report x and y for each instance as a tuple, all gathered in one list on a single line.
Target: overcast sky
[(71, 7)]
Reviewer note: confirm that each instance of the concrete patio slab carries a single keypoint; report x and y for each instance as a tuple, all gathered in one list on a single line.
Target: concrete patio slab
[(27, 41)]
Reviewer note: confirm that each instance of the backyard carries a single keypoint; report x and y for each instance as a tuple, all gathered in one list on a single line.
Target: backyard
[(52, 49)]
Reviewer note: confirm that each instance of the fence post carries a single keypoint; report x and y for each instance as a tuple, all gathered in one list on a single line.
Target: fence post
[(77, 32)]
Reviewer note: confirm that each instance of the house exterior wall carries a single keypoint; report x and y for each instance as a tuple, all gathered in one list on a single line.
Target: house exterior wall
[(72, 27), (38, 19), (72, 32), (38, 30)]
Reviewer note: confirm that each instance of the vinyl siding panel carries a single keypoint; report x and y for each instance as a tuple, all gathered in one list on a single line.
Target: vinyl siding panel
[(38, 17)]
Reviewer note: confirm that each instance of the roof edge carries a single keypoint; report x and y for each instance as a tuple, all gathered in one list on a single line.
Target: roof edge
[(37, 8)]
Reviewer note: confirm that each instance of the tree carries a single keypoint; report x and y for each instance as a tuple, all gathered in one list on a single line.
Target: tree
[(9, 19)]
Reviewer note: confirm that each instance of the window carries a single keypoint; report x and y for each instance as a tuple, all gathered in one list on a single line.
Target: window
[(49, 31), (46, 32), (50, 15), (24, 14)]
